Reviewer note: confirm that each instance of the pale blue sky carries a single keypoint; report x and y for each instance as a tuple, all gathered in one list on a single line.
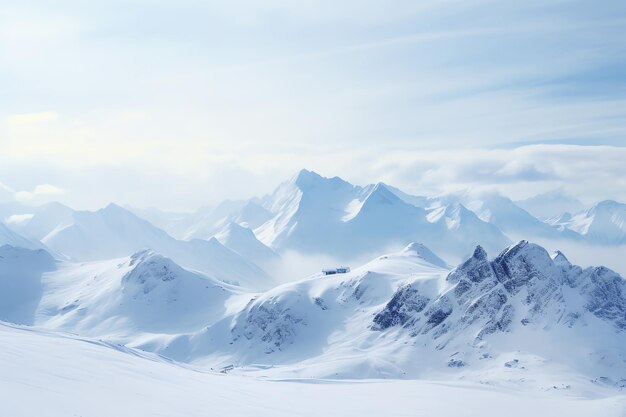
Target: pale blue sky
[(182, 103)]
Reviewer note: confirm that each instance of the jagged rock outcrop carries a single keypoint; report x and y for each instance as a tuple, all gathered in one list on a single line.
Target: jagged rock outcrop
[(523, 284)]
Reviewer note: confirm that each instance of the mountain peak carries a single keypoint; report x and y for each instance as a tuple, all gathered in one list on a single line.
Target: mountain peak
[(141, 256), (113, 208), (526, 249), (234, 230), (381, 194), (608, 204), (560, 259), (479, 253), (420, 250), (305, 178)]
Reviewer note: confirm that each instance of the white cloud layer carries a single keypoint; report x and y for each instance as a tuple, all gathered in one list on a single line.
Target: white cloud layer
[(183, 103)]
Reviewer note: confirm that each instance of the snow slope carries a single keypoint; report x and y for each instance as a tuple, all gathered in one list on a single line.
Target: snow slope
[(21, 286), (74, 376), (113, 232)]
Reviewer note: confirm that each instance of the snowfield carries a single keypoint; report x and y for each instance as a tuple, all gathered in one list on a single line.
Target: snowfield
[(52, 374)]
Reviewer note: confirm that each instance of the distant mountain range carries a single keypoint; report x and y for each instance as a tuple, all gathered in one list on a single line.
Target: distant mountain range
[(242, 241)]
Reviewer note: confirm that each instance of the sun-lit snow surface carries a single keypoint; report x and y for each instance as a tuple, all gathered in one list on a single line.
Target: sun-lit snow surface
[(49, 374), (119, 299)]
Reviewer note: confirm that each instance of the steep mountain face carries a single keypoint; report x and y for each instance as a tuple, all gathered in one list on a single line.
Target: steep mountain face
[(604, 223), (415, 200), (313, 214), (494, 303), (114, 232), (306, 211), (243, 241)]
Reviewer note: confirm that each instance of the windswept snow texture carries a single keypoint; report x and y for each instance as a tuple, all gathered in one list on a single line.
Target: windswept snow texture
[(52, 374)]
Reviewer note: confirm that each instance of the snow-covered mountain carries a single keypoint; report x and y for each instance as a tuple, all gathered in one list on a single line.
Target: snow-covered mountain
[(114, 232), (502, 212), (316, 215), (604, 223), (35, 222), (243, 241), (119, 298), (404, 314), (80, 376), (9, 237), (313, 214), (206, 221)]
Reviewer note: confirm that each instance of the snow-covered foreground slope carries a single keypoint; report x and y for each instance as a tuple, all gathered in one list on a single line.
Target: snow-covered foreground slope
[(21, 286), (52, 374)]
